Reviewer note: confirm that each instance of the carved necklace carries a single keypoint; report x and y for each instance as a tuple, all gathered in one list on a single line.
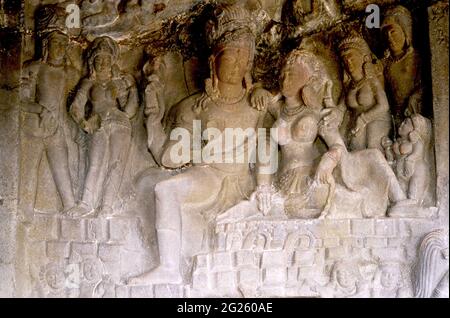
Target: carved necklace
[(219, 99), (405, 54), (288, 111)]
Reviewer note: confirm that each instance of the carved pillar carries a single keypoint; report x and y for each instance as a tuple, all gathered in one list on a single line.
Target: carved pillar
[(438, 26), (10, 62)]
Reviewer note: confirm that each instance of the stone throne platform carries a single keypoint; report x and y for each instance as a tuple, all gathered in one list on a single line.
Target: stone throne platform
[(272, 257)]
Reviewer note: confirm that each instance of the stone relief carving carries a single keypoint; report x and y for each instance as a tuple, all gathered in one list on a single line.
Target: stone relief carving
[(413, 159), (45, 86), (402, 64), (431, 277), (203, 191), (365, 95), (306, 176), (307, 15), (355, 179), (114, 101)]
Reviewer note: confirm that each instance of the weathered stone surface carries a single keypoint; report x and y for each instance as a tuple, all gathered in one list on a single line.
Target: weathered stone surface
[(353, 201)]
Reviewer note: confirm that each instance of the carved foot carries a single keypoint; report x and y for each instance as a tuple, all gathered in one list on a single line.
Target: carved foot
[(160, 275), (81, 210), (106, 211), (68, 211)]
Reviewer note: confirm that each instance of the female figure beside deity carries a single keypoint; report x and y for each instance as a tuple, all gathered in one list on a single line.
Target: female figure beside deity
[(315, 183), (114, 100), (366, 97)]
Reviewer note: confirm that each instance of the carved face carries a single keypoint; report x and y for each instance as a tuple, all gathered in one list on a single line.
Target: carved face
[(231, 65), (294, 78), (353, 63), (390, 277), (345, 278), (395, 37), (406, 127), (55, 278), (57, 46), (103, 63)]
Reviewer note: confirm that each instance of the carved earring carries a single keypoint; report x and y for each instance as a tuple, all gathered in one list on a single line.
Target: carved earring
[(214, 78)]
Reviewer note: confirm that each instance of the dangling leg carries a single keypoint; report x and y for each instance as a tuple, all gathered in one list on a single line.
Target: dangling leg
[(119, 146), (200, 185), (91, 190), (59, 166), (168, 229)]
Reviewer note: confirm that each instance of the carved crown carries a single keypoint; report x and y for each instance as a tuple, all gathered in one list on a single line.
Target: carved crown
[(104, 45), (355, 42), (230, 22), (401, 16)]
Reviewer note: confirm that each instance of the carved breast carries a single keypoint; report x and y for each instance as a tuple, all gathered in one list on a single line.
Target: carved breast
[(365, 97), (103, 93), (406, 148), (305, 128)]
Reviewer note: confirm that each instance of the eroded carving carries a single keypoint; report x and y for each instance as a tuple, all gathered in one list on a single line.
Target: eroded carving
[(45, 86), (402, 64), (431, 277), (337, 218), (114, 101)]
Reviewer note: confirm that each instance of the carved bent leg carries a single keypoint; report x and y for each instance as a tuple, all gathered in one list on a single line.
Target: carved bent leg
[(396, 194), (368, 172), (119, 144), (172, 196), (58, 159), (97, 151)]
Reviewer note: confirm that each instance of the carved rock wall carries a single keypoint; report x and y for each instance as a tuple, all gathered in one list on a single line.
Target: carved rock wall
[(293, 258), (58, 256)]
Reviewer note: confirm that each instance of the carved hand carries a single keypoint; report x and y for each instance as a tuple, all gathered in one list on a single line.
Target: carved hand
[(386, 142), (260, 98), (360, 125), (331, 118), (324, 173), (263, 195), (152, 108)]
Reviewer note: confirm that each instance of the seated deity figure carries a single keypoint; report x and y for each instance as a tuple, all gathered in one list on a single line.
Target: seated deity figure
[(365, 95), (314, 183), (401, 65), (412, 158), (114, 100), (188, 203), (45, 86)]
